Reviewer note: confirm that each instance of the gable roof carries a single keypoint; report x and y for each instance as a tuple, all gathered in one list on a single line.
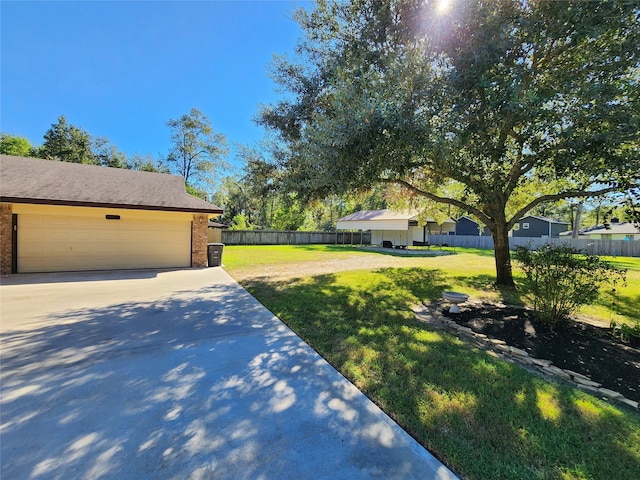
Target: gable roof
[(212, 224), (32, 180), (546, 219), (624, 228), (378, 215)]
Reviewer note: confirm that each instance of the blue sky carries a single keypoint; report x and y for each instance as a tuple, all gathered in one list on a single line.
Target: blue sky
[(121, 69)]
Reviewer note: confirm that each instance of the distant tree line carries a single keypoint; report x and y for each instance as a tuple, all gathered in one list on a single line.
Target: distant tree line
[(196, 151), (258, 195)]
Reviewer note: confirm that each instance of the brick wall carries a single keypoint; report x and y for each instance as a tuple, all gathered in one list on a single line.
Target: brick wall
[(199, 240), (6, 246)]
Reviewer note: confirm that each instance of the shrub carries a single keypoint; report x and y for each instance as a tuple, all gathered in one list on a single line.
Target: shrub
[(560, 279), (626, 333)]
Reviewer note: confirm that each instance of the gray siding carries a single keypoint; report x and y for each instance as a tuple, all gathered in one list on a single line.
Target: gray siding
[(466, 226), (538, 228)]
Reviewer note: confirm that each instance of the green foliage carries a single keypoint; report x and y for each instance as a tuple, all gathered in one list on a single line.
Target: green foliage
[(240, 222), (258, 193), (502, 97), (196, 149), (13, 145), (67, 143), (561, 279), (107, 154), (289, 214), (146, 164), (626, 332), (196, 192)]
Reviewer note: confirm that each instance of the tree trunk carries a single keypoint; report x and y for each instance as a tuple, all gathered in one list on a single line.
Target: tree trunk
[(504, 275), (576, 225)]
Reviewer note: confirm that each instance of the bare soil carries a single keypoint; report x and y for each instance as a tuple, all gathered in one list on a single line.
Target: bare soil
[(581, 347), (287, 271)]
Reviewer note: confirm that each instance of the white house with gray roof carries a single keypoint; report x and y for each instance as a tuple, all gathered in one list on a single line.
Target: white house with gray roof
[(613, 231), (398, 228)]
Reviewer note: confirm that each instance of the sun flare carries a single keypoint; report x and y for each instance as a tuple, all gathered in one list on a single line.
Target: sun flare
[(443, 6)]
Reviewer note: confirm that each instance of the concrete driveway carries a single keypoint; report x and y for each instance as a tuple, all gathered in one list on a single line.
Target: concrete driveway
[(174, 375)]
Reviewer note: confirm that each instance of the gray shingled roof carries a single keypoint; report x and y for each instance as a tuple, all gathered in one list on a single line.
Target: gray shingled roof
[(546, 219), (624, 228), (367, 215), (383, 215), (31, 180)]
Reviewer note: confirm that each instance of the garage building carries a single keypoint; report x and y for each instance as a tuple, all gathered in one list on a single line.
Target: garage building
[(58, 216)]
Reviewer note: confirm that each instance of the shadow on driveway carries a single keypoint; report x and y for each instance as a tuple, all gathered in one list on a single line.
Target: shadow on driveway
[(197, 383)]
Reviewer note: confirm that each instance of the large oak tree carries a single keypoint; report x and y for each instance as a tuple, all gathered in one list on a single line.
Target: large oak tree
[(493, 106)]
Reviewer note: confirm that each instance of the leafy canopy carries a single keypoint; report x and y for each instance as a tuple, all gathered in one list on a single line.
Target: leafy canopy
[(14, 145), (519, 102), (196, 150)]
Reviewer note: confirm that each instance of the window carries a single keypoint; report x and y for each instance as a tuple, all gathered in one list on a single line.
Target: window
[(525, 226)]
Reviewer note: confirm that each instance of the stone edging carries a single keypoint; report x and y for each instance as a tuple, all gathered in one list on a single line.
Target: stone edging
[(499, 349)]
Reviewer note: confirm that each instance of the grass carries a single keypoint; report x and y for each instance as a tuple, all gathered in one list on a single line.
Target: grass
[(469, 270), (485, 418), (238, 257)]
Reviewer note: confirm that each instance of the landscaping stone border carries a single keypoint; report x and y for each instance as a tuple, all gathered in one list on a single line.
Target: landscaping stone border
[(428, 313)]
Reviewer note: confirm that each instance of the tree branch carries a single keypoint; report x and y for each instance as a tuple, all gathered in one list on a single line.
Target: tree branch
[(449, 201), (558, 196), (517, 171)]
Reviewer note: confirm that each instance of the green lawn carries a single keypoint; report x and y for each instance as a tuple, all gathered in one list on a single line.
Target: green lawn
[(485, 418), (469, 270), (237, 257)]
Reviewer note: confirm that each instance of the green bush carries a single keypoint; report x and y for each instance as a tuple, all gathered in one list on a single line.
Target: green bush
[(625, 332), (560, 279)]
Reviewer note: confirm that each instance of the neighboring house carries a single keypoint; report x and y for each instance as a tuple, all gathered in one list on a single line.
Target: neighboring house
[(532, 226), (468, 226), (59, 216), (614, 231), (399, 228)]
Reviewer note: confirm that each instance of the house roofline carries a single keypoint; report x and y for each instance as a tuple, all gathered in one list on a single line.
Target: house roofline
[(546, 219), (71, 203)]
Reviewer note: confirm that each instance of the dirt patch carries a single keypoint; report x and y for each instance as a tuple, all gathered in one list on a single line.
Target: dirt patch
[(580, 347), (289, 271)]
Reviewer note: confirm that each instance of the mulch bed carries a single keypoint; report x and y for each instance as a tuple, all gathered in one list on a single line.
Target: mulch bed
[(580, 347)]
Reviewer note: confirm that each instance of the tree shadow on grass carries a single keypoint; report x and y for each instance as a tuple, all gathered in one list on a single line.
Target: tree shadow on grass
[(423, 283), (483, 417), (627, 305), (512, 296)]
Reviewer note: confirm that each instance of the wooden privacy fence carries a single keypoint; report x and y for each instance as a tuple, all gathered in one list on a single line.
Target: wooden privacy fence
[(615, 248), (286, 237)]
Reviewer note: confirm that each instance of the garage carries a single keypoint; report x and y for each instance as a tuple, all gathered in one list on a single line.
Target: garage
[(60, 217), (56, 242)]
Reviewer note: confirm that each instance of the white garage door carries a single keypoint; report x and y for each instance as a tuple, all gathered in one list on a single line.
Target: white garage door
[(57, 243)]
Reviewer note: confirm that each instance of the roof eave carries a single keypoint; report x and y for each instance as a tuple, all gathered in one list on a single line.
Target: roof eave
[(70, 203)]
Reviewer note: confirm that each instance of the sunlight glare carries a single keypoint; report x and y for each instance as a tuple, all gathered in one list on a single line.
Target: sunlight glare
[(443, 6)]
